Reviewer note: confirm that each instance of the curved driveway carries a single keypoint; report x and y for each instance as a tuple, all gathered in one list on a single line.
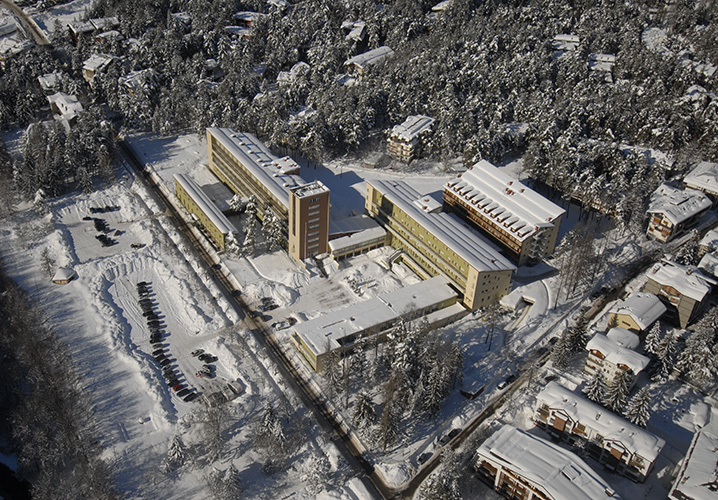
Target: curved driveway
[(37, 34)]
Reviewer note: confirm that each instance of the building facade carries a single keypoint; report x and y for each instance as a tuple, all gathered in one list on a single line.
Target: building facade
[(438, 244), (672, 211), (522, 466), (611, 359), (206, 214), (405, 140), (683, 290), (614, 442), (637, 313), (308, 220), (521, 221)]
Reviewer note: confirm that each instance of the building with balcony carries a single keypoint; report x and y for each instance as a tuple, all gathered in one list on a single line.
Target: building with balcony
[(439, 244), (704, 178), (522, 466), (374, 318), (613, 441), (637, 313), (96, 64), (611, 359), (521, 221), (205, 213), (405, 140), (672, 211), (683, 290)]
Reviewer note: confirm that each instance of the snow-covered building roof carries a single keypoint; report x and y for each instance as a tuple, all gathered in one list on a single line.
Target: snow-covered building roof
[(566, 43), (238, 31), (457, 235), (356, 30), (514, 206), (677, 205), (623, 337), (50, 81), (644, 308), (601, 62), (219, 220), (64, 275), (183, 17), (709, 264), (248, 17), (97, 62), (135, 80), (710, 240), (109, 35), (686, 280), (330, 329), (410, 130), (441, 6), (287, 77), (280, 4), (105, 23), (8, 25), (697, 479), (357, 239), (617, 354), (370, 57), (703, 178), (606, 423), (65, 104), (276, 174), (560, 473)]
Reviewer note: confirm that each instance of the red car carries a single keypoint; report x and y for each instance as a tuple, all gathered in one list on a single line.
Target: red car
[(178, 387)]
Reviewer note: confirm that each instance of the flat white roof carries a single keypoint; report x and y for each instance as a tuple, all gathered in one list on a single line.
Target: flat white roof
[(645, 308), (566, 42), (677, 205), (606, 423), (623, 337), (371, 57), (310, 189), (687, 280), (412, 128), (703, 177), (102, 23), (330, 328), (617, 354), (457, 235), (560, 473), (358, 238), (697, 477), (254, 155), (513, 206), (205, 204), (248, 16)]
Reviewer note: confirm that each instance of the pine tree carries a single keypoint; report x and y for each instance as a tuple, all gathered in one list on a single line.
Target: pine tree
[(697, 361), (444, 484), (596, 388), (176, 455), (250, 227), (272, 229), (231, 484), (364, 414), (653, 339), (665, 355), (577, 337), (236, 204), (617, 391), (638, 410)]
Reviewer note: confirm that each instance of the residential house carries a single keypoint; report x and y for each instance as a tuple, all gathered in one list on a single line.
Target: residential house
[(437, 243), (683, 289), (601, 66), (96, 64), (248, 19), (65, 106), (50, 83), (709, 243), (360, 62), (704, 178), (517, 218), (613, 441), (611, 359), (355, 30), (285, 78), (64, 275), (638, 312), (697, 479), (563, 44), (672, 211), (623, 337), (134, 81), (405, 140), (522, 466)]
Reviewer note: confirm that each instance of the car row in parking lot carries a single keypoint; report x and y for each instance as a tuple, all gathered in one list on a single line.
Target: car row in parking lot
[(160, 351)]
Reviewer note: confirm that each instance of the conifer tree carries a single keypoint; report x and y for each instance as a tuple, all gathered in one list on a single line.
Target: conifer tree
[(638, 410), (665, 356), (364, 414), (653, 339), (698, 361), (617, 392), (596, 388)]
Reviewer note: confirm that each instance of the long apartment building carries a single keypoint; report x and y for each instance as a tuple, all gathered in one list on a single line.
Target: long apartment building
[(613, 441), (436, 243), (247, 166), (521, 221), (522, 466)]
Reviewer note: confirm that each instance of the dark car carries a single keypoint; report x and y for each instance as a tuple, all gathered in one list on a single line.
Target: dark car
[(183, 392), (191, 396), (448, 437), (197, 352), (160, 350), (510, 378), (207, 357), (160, 357), (165, 362), (424, 457), (177, 387), (173, 381), (216, 267)]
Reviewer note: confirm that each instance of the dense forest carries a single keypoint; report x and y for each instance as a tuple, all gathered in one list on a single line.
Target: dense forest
[(486, 71)]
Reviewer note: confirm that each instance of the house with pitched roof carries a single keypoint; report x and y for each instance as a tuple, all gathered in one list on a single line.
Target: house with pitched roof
[(704, 178), (673, 211), (638, 312), (611, 359)]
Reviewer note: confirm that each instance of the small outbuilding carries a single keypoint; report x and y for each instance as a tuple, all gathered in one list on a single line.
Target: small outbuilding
[(64, 275)]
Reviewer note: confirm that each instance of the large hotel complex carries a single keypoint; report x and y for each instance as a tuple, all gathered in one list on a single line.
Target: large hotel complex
[(465, 241)]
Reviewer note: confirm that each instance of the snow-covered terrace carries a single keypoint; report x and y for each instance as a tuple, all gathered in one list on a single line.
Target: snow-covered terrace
[(513, 205), (606, 423), (469, 245), (373, 56), (697, 477), (686, 280), (703, 178), (271, 171), (412, 128), (208, 208), (677, 205), (644, 308), (617, 354), (559, 473), (330, 330)]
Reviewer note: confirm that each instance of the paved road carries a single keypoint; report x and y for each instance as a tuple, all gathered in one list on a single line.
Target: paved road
[(37, 34)]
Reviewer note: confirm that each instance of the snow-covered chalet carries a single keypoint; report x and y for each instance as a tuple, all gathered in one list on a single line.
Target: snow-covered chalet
[(405, 139), (638, 312), (704, 178), (611, 359), (673, 211)]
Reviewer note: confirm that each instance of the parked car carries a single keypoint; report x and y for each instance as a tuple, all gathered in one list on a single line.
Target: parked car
[(424, 457), (165, 362), (177, 387), (183, 392), (191, 396), (160, 357), (448, 437), (197, 352), (281, 325)]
